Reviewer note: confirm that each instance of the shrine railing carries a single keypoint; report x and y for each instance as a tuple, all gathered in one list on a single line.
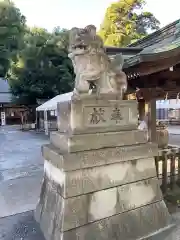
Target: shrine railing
[(168, 168)]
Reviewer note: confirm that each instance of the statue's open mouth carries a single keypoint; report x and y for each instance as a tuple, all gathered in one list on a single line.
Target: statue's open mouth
[(79, 47)]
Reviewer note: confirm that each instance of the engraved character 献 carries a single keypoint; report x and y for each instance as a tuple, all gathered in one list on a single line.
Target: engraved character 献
[(97, 116)]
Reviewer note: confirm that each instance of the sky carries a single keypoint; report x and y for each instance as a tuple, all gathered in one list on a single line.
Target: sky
[(79, 13)]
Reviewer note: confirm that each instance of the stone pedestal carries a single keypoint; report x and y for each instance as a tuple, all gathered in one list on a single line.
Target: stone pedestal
[(99, 175)]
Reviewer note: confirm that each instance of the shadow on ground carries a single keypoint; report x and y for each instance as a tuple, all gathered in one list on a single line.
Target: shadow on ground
[(20, 227)]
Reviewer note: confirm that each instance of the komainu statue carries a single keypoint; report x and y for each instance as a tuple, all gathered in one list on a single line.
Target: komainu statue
[(95, 72)]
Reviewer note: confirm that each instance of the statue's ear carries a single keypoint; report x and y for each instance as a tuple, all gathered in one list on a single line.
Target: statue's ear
[(120, 59), (73, 30), (72, 33), (91, 29), (72, 36)]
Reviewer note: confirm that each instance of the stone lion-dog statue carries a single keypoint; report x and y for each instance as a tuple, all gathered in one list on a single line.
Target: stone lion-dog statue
[(94, 70)]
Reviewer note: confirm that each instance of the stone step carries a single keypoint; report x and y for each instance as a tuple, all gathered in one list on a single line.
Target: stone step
[(82, 142), (99, 157)]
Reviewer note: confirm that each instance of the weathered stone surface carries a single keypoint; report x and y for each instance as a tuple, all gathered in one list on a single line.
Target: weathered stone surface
[(99, 157), (82, 181), (93, 66), (122, 199), (97, 115), (54, 210), (99, 177), (82, 142), (131, 225)]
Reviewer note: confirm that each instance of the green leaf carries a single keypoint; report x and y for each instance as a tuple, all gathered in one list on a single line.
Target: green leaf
[(123, 24)]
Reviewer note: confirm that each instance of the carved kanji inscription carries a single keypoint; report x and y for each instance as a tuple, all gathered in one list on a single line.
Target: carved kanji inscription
[(116, 115), (97, 116)]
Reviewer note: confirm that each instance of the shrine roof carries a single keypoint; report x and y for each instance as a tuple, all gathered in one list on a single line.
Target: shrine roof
[(162, 44), (167, 48), (127, 52)]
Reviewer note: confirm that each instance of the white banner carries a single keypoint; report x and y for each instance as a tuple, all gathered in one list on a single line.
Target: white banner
[(3, 118)]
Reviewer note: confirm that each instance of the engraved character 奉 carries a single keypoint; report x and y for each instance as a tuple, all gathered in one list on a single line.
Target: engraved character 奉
[(116, 115)]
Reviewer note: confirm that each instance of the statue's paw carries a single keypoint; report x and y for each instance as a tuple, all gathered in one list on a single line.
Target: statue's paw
[(83, 87)]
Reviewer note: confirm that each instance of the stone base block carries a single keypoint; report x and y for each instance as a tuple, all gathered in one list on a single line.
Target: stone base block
[(82, 142), (76, 211), (83, 181), (98, 157), (92, 114), (131, 225)]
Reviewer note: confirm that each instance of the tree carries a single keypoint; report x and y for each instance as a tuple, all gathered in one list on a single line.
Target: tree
[(12, 24), (125, 22), (42, 69)]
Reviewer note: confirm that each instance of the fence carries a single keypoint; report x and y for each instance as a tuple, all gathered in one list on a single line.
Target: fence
[(168, 168)]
